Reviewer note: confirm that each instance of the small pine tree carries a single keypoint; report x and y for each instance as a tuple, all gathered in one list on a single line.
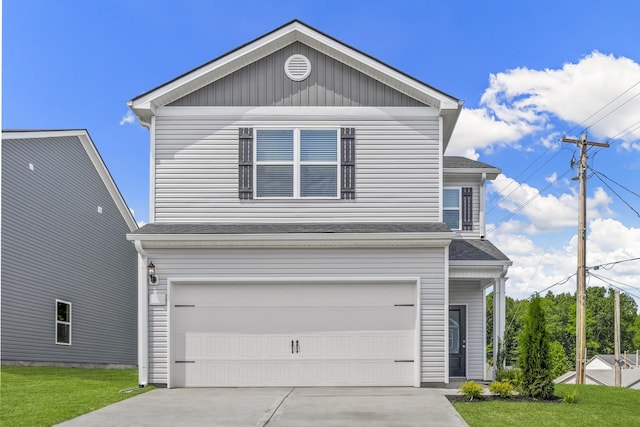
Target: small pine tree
[(537, 381)]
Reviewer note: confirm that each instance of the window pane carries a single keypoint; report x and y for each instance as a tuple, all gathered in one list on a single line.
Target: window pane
[(274, 181), (318, 181), (63, 334), (452, 219), (274, 145), (318, 145), (63, 312), (451, 198)]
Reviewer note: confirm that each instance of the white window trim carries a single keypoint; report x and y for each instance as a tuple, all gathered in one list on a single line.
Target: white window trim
[(296, 163), (459, 208), (62, 322)]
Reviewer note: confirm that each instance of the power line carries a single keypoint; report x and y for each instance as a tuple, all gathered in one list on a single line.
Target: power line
[(608, 282), (617, 183), (614, 192), (605, 106), (610, 265), (525, 180), (523, 205), (615, 109)]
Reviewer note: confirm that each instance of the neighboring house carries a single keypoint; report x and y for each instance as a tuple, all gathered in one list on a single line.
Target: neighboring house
[(305, 228), (607, 361), (68, 272), (599, 370)]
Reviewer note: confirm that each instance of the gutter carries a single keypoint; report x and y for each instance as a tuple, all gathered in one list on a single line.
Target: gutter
[(143, 317)]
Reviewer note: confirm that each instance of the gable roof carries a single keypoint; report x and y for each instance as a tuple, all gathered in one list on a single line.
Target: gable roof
[(84, 139), (143, 105)]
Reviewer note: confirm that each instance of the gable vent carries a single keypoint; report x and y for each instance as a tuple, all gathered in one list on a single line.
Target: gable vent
[(297, 67)]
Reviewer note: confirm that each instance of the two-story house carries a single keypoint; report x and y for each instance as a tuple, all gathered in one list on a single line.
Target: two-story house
[(305, 228), (69, 275)]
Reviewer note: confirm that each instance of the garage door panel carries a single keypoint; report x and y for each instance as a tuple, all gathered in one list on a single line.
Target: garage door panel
[(260, 320), (274, 344)]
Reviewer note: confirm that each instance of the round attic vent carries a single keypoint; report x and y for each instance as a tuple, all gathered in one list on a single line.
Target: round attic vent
[(297, 67)]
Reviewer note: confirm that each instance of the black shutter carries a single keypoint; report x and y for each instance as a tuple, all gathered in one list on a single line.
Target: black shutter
[(348, 163), (245, 163), (467, 208)]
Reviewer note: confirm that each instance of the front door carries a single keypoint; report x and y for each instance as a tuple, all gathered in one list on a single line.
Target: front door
[(457, 341)]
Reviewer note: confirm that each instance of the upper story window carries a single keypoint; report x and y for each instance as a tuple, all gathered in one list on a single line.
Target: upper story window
[(451, 202), (457, 208), (63, 322), (296, 163)]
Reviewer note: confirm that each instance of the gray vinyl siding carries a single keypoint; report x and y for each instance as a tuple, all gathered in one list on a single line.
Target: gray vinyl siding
[(264, 83), (397, 168), (56, 245), (453, 181), (424, 263), (470, 294)]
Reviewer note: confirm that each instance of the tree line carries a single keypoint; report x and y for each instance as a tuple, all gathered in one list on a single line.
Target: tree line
[(560, 318)]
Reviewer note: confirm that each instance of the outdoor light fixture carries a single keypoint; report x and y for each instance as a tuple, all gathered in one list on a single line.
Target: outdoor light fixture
[(151, 272)]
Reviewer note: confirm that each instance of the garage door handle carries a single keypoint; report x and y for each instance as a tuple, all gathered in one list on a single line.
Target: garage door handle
[(297, 347), (291, 346)]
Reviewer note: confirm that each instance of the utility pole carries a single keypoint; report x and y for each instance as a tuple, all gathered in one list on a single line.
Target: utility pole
[(581, 294), (616, 340)]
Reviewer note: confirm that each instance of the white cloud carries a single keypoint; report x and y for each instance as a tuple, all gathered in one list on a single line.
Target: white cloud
[(536, 267), (552, 179), (545, 212), (127, 118), (523, 101)]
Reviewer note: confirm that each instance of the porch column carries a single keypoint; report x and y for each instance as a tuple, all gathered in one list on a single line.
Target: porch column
[(498, 316)]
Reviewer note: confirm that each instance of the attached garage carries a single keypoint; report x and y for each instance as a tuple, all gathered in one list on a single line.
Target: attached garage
[(293, 333)]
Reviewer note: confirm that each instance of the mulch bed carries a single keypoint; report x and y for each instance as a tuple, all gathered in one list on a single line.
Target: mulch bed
[(491, 397)]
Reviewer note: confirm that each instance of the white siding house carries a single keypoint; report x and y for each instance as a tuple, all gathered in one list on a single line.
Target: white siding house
[(296, 231)]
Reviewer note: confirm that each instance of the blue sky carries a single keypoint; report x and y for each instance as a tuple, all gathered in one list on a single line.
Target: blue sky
[(527, 72)]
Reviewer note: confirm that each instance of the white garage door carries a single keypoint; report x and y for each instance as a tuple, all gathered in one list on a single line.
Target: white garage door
[(292, 334)]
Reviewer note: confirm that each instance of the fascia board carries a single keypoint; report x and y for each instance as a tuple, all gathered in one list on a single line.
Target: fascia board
[(374, 68), (265, 45), (295, 240), (253, 51), (492, 173), (108, 181), (97, 161), (471, 264)]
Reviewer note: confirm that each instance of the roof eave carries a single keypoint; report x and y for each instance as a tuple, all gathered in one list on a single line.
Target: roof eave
[(430, 239), (95, 157), (448, 106)]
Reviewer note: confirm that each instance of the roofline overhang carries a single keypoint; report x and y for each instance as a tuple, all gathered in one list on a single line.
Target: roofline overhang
[(95, 157), (491, 173), (293, 240), (143, 105)]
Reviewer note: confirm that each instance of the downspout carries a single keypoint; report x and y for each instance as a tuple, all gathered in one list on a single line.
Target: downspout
[(143, 317), (483, 196)]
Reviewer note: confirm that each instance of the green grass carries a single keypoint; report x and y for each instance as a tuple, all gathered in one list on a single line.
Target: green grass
[(596, 406), (43, 396)]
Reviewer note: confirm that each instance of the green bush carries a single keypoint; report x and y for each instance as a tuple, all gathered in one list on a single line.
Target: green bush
[(571, 397), (504, 389), (471, 390), (513, 375), (535, 360)]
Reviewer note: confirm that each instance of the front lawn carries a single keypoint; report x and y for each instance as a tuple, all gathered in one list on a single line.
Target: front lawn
[(43, 396), (597, 406)]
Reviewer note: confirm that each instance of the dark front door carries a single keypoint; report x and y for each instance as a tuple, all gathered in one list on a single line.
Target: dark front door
[(457, 341)]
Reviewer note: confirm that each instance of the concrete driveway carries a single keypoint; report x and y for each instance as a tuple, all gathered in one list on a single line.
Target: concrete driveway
[(279, 407)]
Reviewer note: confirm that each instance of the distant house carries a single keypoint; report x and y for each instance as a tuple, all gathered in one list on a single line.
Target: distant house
[(306, 228), (69, 294), (599, 371)]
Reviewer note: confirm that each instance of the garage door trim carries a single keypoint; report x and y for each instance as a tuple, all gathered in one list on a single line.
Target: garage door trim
[(177, 281)]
